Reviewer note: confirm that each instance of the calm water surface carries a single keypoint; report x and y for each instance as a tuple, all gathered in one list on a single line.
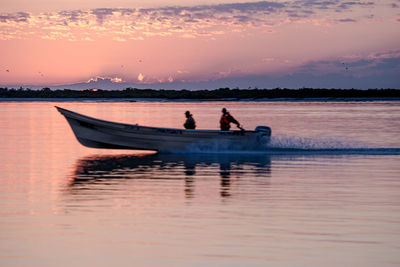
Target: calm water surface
[(334, 201)]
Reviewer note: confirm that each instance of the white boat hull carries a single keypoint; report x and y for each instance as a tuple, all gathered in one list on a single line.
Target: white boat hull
[(97, 133)]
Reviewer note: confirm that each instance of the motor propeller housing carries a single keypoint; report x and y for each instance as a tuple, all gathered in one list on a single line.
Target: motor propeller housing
[(264, 134)]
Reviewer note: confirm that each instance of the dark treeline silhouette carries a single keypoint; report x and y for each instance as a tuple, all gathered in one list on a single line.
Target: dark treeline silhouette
[(221, 93)]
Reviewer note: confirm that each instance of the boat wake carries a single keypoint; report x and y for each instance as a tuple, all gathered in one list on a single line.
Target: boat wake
[(286, 145)]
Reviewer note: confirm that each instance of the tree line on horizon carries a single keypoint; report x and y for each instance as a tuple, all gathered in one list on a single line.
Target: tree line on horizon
[(221, 93)]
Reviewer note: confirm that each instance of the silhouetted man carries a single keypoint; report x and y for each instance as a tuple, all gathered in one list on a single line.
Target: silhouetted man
[(226, 119), (189, 123)]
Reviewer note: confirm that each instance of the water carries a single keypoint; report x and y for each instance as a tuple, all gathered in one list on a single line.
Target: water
[(325, 193)]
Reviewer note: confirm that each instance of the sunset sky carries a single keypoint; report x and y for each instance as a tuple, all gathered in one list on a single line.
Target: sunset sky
[(209, 43)]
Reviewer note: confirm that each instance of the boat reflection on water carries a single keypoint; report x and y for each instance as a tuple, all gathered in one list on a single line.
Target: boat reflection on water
[(97, 170)]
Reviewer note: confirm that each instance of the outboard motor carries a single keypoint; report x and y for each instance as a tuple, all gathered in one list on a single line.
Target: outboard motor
[(263, 134)]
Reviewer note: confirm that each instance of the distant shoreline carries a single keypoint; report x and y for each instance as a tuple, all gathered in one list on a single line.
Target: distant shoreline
[(132, 100), (222, 94)]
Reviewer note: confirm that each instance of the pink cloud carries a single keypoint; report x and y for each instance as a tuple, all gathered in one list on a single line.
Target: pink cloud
[(190, 20)]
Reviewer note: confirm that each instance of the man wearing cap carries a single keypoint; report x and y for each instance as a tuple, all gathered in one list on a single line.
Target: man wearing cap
[(189, 123)]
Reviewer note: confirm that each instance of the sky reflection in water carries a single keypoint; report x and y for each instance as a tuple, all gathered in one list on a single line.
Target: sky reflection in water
[(62, 204)]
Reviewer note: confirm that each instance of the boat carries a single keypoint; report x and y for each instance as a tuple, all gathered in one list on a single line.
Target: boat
[(97, 133)]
